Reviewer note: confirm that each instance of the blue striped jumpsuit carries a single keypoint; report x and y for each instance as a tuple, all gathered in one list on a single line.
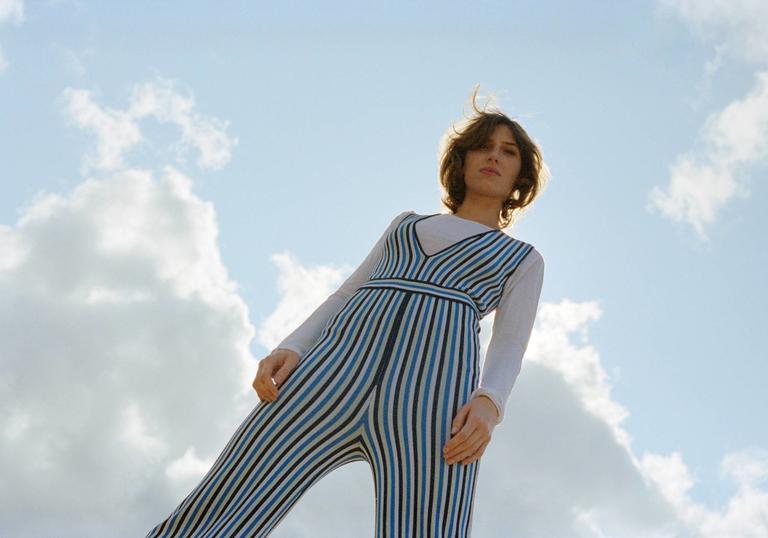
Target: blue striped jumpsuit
[(381, 384)]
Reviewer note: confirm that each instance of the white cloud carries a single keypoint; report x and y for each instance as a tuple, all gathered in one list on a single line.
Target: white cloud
[(188, 467), (117, 130), (746, 514), (702, 183), (700, 186), (302, 290), (107, 395), (161, 101)]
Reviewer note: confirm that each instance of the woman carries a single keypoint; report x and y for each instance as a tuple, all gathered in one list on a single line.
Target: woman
[(386, 369)]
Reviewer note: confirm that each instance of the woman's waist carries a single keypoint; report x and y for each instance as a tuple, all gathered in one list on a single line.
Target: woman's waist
[(410, 285)]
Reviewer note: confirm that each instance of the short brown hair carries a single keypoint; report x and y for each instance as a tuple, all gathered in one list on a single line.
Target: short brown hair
[(474, 132)]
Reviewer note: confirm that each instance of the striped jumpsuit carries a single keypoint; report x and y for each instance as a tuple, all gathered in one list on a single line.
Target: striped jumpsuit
[(381, 384)]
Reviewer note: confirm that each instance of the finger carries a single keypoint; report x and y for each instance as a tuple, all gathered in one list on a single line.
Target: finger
[(282, 374), (471, 442), (476, 455), (460, 419), (466, 452), (258, 380), (256, 386), (260, 385), (269, 365), (462, 422), (264, 379), (271, 391), (461, 436), (266, 390), (465, 438), (460, 456), (276, 363), (459, 442)]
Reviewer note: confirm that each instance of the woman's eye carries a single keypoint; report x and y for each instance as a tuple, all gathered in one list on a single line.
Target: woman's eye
[(486, 146)]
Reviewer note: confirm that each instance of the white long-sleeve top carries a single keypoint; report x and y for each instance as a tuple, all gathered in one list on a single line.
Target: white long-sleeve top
[(513, 316)]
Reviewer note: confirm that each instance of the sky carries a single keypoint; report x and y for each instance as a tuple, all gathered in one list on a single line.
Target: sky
[(182, 183)]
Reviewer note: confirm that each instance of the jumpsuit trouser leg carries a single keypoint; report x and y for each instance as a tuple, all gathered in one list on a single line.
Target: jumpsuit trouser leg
[(381, 384)]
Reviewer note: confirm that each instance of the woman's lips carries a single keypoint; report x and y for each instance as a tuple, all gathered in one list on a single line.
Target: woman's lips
[(489, 172)]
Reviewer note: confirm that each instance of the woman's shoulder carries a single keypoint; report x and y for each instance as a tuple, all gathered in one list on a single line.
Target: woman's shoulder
[(533, 255), (534, 260), (529, 268), (403, 215), (400, 217), (537, 256)]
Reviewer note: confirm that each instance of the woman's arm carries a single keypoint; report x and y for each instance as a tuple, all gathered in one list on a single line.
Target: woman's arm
[(306, 334), (512, 326)]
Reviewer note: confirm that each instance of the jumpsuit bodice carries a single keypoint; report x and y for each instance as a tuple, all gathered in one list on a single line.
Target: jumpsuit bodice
[(472, 270)]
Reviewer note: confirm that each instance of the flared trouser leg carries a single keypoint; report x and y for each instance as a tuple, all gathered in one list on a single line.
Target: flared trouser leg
[(431, 373), (385, 394)]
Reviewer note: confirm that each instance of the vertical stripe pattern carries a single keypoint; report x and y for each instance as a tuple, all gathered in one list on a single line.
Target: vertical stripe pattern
[(381, 384)]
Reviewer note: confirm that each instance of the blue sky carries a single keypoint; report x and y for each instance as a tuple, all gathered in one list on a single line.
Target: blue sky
[(182, 183)]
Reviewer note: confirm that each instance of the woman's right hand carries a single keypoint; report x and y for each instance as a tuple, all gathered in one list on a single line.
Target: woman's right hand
[(276, 366)]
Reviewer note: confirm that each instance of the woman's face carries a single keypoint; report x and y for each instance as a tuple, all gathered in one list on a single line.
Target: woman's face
[(500, 153)]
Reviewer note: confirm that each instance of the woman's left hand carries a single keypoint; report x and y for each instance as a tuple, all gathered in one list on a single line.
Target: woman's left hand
[(473, 425)]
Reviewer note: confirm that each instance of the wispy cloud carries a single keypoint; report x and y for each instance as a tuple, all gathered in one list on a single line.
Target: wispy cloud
[(118, 130), (703, 181)]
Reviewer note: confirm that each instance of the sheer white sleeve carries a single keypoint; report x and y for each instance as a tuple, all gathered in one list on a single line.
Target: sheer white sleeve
[(306, 334), (512, 326)]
